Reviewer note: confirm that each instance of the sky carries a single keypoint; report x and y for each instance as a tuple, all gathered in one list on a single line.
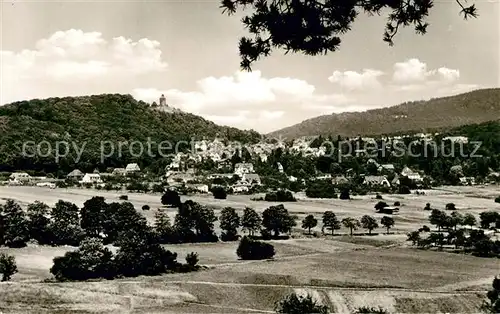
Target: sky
[(188, 50)]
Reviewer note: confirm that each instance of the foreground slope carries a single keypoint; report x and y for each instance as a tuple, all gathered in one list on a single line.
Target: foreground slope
[(91, 120), (447, 112)]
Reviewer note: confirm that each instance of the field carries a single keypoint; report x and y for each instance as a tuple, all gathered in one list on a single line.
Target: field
[(341, 271)]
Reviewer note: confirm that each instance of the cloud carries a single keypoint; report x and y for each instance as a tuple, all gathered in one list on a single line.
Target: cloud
[(352, 80), (72, 56), (409, 71), (249, 100)]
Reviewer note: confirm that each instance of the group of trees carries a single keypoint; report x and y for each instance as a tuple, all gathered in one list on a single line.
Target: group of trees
[(332, 223), (140, 253), (448, 232)]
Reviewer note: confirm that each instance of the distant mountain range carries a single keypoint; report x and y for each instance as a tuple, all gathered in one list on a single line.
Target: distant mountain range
[(446, 112)]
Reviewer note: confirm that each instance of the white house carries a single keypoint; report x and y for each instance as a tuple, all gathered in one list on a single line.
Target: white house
[(339, 180), (46, 184), (242, 168), (457, 139), (386, 167), (377, 180), (412, 175), (19, 178), (76, 175), (131, 168), (202, 188), (119, 172), (252, 178), (91, 178), (240, 187)]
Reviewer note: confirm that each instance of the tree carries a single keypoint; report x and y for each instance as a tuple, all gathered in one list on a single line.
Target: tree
[(295, 304), (163, 227), (314, 27), (428, 206), (251, 221), (38, 216), (192, 215), (309, 222), (192, 260), (380, 206), (438, 218), (145, 207), (369, 223), (65, 225), (277, 219), (344, 195), (387, 222), (351, 223), (456, 219), (493, 303), (330, 221), (141, 254), (487, 218), (229, 222), (414, 237), (497, 200), (92, 215), (14, 224), (120, 218), (249, 249), (450, 206), (469, 220), (90, 260), (436, 238), (171, 198), (8, 266), (219, 193)]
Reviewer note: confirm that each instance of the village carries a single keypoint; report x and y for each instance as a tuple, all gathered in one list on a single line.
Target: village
[(186, 169)]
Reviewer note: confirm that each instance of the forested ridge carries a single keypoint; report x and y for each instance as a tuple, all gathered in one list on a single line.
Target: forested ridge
[(92, 120)]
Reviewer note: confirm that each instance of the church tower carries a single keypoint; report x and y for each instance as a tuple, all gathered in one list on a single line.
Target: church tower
[(163, 100)]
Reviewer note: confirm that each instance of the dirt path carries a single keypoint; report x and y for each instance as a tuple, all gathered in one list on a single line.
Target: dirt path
[(464, 284), (235, 284)]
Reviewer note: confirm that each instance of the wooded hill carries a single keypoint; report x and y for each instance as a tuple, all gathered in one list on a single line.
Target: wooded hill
[(91, 120), (418, 116)]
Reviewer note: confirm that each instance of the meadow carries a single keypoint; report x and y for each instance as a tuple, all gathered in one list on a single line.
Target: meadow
[(342, 271)]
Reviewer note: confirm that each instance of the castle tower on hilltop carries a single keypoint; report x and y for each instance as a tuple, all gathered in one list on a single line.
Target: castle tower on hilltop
[(163, 100)]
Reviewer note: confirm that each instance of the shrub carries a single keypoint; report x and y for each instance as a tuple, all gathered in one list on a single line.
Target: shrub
[(280, 196), (295, 304), (145, 207), (219, 193), (171, 198), (249, 249), (8, 266), (123, 197), (192, 261), (450, 206), (497, 200), (425, 228), (378, 197), (403, 189), (344, 195), (370, 310), (380, 205), (397, 203), (321, 189)]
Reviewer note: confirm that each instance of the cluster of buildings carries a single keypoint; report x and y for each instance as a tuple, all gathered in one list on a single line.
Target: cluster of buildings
[(184, 168)]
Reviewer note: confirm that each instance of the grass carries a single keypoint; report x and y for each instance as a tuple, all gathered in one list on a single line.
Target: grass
[(341, 271)]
